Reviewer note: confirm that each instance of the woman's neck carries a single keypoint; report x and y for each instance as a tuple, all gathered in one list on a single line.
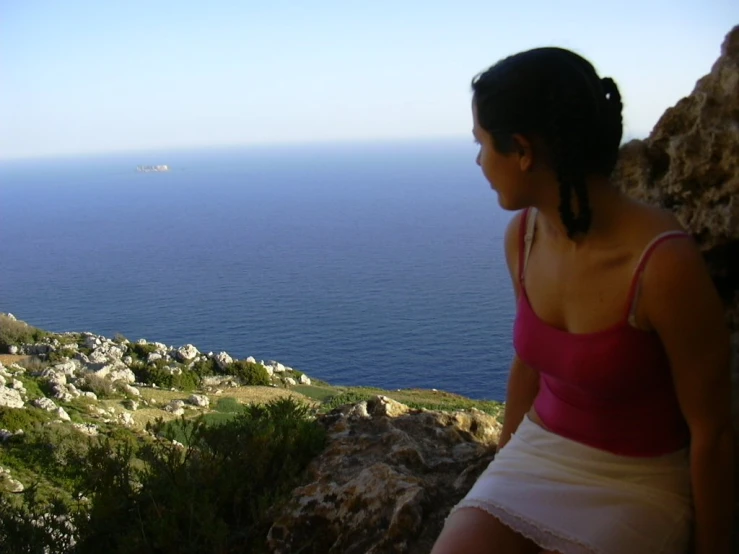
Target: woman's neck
[(604, 200)]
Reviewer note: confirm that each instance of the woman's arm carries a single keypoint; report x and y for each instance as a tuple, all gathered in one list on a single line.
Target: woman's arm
[(523, 382), (683, 305), (523, 386)]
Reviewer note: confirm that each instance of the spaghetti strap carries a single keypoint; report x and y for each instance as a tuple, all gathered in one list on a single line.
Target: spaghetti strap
[(635, 287), (526, 237)]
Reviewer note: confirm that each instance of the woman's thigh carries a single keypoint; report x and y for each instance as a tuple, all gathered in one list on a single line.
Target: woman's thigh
[(473, 531)]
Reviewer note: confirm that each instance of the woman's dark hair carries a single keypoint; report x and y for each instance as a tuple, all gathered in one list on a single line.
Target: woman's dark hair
[(555, 95)]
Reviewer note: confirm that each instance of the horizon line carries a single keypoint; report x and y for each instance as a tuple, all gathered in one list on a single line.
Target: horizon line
[(249, 145)]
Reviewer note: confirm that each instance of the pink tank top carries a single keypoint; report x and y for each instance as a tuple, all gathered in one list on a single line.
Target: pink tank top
[(610, 389)]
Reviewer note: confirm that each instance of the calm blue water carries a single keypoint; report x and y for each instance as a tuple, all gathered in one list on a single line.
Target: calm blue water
[(358, 264)]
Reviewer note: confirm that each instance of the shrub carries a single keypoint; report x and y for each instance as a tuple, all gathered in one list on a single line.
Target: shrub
[(351, 397), (249, 373), (140, 351), (13, 419), (211, 497), (59, 355), (14, 332), (228, 405), (205, 368), (156, 374), (102, 387)]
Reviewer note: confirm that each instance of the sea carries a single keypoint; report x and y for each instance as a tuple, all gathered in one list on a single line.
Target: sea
[(376, 263)]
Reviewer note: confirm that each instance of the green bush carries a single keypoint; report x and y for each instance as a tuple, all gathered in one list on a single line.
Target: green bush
[(140, 351), (205, 368), (210, 497), (14, 332), (13, 419), (59, 355), (155, 374), (102, 387), (150, 496), (228, 405), (351, 397), (249, 373)]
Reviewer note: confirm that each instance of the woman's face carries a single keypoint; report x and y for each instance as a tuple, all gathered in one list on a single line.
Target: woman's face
[(502, 171)]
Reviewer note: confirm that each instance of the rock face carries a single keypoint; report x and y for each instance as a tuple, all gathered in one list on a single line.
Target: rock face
[(690, 164), (384, 484)]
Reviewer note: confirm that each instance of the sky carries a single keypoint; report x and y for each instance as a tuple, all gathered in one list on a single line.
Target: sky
[(107, 76)]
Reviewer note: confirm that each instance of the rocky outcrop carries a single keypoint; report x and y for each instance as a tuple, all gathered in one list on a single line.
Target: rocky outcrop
[(690, 164), (386, 481)]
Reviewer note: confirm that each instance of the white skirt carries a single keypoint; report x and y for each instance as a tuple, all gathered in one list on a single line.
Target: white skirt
[(575, 499)]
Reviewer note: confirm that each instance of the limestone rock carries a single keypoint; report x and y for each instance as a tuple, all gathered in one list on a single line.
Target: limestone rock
[(176, 407), (62, 414), (199, 400), (304, 379), (384, 484), (223, 360), (384, 406), (690, 164), (45, 404), (86, 428), (187, 353)]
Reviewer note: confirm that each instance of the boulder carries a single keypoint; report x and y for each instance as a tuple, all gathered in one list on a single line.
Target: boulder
[(199, 400), (10, 398), (187, 353), (384, 484), (223, 360), (45, 404)]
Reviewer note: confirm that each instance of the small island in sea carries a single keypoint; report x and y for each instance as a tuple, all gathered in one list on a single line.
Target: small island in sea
[(152, 168)]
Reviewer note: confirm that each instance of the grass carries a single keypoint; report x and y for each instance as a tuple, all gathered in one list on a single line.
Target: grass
[(332, 397)]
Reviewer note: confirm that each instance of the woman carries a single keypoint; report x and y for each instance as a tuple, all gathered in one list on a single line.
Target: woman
[(617, 435)]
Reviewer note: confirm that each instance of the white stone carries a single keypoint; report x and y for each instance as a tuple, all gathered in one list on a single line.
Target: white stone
[(61, 414), (45, 404), (126, 419), (133, 391), (153, 357), (17, 385), (68, 368), (161, 348), (2, 381), (89, 394), (132, 405), (304, 379), (176, 407), (290, 381), (10, 316), (91, 341), (128, 360), (187, 353), (86, 428), (97, 356), (54, 377), (278, 367), (13, 349), (122, 373), (199, 400), (223, 360), (251, 360)]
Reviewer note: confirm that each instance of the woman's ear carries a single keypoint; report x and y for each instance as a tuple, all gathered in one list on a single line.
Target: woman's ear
[(524, 151)]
